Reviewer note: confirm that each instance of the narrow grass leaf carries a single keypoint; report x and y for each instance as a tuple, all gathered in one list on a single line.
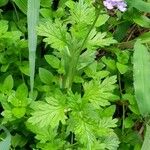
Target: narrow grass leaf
[(141, 72), (32, 18), (146, 142), (5, 143)]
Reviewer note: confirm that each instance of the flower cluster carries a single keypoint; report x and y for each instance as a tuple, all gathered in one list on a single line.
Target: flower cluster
[(111, 4)]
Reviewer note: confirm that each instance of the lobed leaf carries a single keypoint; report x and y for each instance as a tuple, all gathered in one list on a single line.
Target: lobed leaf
[(54, 33), (99, 94), (48, 113)]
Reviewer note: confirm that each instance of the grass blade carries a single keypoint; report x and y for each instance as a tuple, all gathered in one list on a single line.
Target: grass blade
[(32, 18), (141, 71), (146, 142), (5, 143)]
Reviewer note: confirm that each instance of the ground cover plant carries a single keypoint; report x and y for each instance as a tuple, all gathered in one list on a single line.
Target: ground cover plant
[(74, 74)]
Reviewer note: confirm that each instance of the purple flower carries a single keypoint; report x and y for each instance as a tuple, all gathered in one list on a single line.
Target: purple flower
[(111, 4)]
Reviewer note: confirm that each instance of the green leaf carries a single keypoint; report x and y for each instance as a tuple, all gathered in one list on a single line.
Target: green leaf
[(33, 8), (8, 83), (92, 71), (5, 144), (53, 61), (18, 140), (98, 39), (3, 2), (122, 56), (42, 134), (111, 141), (146, 142), (141, 60), (48, 113), (19, 112), (107, 122), (46, 12), (18, 101), (54, 33), (90, 129), (110, 63), (46, 3), (22, 4), (140, 5), (13, 36), (128, 122), (54, 145), (143, 21), (109, 111), (99, 94), (85, 59), (3, 27), (121, 30), (134, 109), (145, 37), (8, 116), (24, 68), (81, 12), (22, 91), (101, 20), (122, 68), (46, 76), (84, 130), (5, 67)]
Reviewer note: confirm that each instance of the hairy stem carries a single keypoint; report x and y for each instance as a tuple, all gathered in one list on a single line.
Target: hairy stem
[(75, 56)]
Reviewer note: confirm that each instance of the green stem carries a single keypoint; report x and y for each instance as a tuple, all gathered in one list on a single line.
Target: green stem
[(97, 15), (123, 118), (20, 59), (75, 57), (123, 105), (73, 60), (71, 138), (17, 16)]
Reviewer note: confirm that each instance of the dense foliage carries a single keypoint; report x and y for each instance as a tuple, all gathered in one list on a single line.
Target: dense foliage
[(74, 74)]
